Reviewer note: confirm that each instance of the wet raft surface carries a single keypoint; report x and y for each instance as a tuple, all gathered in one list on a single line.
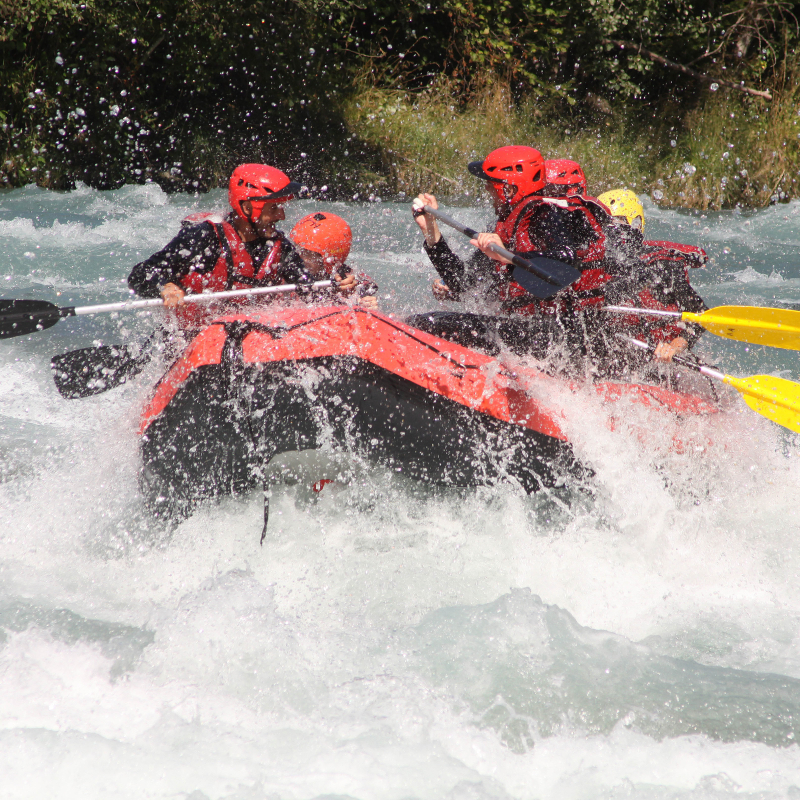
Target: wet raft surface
[(447, 423)]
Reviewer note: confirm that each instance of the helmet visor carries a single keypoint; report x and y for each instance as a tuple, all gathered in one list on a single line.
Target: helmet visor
[(286, 193), (476, 168)]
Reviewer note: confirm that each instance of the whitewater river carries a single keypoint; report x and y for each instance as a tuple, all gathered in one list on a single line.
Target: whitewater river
[(389, 641)]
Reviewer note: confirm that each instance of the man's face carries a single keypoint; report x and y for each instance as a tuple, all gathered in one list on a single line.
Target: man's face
[(499, 201), (270, 214), (622, 222)]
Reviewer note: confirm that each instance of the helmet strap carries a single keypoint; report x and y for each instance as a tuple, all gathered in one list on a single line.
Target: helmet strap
[(244, 225), (247, 217)]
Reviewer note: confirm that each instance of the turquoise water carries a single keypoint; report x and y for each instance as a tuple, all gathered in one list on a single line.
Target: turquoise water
[(389, 641)]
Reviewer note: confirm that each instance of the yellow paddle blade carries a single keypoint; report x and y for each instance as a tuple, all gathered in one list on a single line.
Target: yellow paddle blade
[(774, 327), (774, 398)]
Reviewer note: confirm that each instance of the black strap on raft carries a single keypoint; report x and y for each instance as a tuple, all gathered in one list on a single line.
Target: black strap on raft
[(232, 359), (267, 495)]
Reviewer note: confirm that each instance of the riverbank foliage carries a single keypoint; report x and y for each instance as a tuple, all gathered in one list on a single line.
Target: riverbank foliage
[(696, 103)]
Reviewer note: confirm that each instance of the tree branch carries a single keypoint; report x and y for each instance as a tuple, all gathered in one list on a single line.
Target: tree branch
[(665, 62), (152, 48)]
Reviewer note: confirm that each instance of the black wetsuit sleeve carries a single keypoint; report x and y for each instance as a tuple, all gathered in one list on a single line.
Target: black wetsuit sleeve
[(194, 249), (671, 287), (449, 266), (365, 286), (455, 274)]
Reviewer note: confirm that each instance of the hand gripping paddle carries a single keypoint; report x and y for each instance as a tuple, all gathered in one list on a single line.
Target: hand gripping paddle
[(774, 398), (542, 277)]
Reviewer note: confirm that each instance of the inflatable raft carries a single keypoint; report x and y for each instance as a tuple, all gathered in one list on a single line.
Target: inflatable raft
[(252, 386)]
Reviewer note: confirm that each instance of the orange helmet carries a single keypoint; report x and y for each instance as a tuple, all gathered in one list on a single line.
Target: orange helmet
[(513, 172), (324, 233), (259, 184), (564, 177)]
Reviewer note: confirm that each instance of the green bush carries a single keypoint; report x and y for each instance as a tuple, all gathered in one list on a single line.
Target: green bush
[(113, 91), (728, 150)]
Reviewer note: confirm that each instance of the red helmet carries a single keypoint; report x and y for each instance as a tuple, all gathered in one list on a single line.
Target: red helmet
[(324, 233), (259, 184), (566, 175), (513, 172)]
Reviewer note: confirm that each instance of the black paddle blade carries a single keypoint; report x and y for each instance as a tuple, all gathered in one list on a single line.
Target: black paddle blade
[(20, 317), (93, 370), (559, 274)]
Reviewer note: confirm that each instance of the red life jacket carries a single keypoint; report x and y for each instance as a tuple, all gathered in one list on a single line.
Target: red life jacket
[(234, 270), (587, 290), (686, 254)]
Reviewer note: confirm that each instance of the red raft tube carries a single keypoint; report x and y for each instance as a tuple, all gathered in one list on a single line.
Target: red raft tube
[(250, 387)]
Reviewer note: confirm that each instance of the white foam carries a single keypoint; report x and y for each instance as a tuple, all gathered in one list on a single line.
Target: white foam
[(372, 647)]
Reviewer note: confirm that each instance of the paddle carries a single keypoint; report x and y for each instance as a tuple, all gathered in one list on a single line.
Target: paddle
[(542, 277), (774, 327), (774, 398), (92, 370), (21, 317)]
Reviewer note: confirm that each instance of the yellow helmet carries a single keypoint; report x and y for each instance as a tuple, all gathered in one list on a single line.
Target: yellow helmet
[(624, 203)]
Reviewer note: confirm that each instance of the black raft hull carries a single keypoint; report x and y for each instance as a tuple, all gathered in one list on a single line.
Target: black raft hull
[(231, 404), (219, 434)]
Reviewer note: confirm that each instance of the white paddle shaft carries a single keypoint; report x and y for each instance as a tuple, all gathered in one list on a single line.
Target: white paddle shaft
[(711, 373), (647, 312), (206, 297)]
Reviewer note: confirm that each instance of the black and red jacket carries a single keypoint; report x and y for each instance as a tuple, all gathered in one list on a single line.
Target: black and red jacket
[(562, 228), (655, 275), (586, 232), (209, 255)]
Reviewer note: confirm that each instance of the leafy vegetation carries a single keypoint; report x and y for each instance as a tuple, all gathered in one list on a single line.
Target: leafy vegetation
[(398, 94)]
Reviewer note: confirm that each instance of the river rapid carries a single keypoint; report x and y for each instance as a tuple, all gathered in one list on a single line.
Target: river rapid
[(390, 641)]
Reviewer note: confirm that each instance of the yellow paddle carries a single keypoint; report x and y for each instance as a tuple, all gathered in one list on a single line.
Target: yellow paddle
[(774, 327), (774, 398)]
